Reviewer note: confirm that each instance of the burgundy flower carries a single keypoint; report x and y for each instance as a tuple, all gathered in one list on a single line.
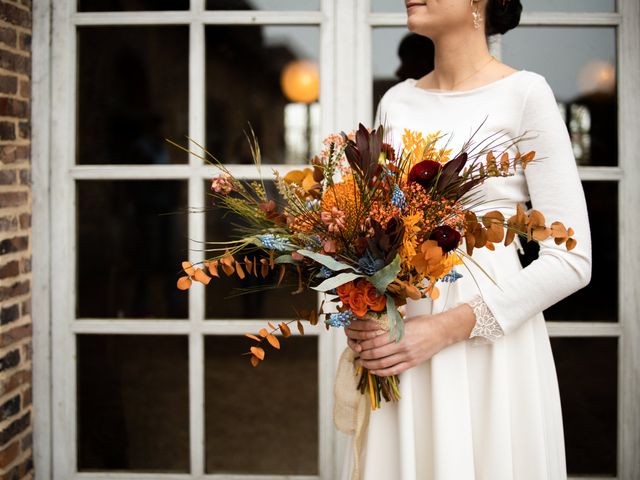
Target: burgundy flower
[(424, 173), (448, 238)]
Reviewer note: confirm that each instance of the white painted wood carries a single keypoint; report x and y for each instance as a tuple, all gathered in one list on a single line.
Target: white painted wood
[(168, 476), (211, 17), (583, 329), (63, 242), (179, 171), (527, 19), (629, 245), (41, 238)]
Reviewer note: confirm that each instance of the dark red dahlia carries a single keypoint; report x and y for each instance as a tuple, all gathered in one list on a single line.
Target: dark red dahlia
[(424, 173), (448, 238)]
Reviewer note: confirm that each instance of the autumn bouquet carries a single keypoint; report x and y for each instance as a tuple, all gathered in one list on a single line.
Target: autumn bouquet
[(369, 226)]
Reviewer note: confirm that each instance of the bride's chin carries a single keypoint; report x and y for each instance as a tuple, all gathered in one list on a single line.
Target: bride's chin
[(416, 25)]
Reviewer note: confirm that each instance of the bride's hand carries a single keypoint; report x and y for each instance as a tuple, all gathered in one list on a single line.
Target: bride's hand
[(424, 336)]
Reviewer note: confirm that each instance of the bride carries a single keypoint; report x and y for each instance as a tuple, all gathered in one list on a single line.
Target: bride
[(484, 400)]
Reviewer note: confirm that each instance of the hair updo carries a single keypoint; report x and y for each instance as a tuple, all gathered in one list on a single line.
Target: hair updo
[(502, 18)]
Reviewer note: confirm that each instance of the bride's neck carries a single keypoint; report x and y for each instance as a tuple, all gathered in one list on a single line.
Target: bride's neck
[(457, 57)]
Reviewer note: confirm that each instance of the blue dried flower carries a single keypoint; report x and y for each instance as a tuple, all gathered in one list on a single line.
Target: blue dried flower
[(274, 242), (341, 319), (325, 272), (452, 276), (370, 264), (398, 198)]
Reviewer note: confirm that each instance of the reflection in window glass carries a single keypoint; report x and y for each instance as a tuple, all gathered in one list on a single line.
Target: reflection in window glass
[(129, 255), (580, 65), (243, 83), (222, 294), (133, 403), (294, 5), (131, 5), (528, 5), (399, 54), (587, 374), (598, 301), (261, 420), (132, 94)]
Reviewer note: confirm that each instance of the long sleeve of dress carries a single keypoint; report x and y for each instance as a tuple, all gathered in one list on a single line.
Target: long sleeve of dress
[(556, 191)]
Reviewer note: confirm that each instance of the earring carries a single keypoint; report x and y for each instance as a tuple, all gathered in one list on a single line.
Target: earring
[(476, 17)]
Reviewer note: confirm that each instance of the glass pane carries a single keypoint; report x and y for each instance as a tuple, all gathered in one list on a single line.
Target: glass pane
[(598, 301), (128, 253), (296, 5), (580, 65), (399, 54), (243, 74), (587, 374), (132, 94), (131, 5), (528, 5), (261, 420), (222, 299), (133, 403)]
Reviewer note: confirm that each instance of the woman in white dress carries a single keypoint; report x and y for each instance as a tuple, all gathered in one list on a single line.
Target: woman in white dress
[(485, 402)]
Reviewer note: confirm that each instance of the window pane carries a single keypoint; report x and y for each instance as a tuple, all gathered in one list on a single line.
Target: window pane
[(222, 299), (587, 374), (261, 420), (132, 94), (580, 65), (528, 5), (131, 5), (133, 403), (295, 5), (129, 254), (399, 54), (243, 71), (598, 301)]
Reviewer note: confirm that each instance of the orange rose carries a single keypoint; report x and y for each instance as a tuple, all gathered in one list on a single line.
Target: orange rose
[(380, 305), (358, 302), (370, 293), (343, 292)]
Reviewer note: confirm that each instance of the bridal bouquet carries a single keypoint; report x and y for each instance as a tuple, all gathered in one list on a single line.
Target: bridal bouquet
[(369, 226)]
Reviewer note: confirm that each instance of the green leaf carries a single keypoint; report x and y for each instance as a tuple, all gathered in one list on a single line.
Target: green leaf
[(396, 323), (329, 262), (335, 282), (284, 259), (382, 278)]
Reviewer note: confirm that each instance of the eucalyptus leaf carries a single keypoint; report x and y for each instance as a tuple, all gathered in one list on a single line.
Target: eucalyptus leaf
[(396, 323), (329, 262), (382, 278), (335, 282), (284, 259)]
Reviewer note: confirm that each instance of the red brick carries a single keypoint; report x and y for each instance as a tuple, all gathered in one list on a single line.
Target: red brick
[(10, 107), (27, 397), (13, 153), (7, 130), (15, 15), (25, 220), (27, 442), (7, 177), (8, 223), (8, 84), (21, 377), (26, 307), (14, 428), (9, 314), (12, 291), (13, 199), (24, 89), (15, 244), (11, 269), (9, 454), (10, 360), (25, 265), (25, 42), (14, 335), (8, 36), (24, 129)]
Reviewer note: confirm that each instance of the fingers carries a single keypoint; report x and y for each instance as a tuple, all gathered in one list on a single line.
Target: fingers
[(353, 345), (382, 363), (381, 352), (378, 341), (394, 370)]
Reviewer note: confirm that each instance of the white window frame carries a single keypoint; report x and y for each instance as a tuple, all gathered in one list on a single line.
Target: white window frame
[(346, 99)]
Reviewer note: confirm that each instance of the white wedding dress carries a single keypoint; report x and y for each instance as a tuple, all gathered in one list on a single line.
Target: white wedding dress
[(488, 408)]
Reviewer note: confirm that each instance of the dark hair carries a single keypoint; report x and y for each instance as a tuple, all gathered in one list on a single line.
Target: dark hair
[(502, 16)]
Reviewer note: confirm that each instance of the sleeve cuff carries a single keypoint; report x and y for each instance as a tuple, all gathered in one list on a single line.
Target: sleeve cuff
[(487, 329)]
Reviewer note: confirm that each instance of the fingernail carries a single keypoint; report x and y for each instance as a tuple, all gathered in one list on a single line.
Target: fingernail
[(358, 348)]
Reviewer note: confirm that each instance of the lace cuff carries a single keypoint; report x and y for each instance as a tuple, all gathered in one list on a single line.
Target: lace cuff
[(487, 329)]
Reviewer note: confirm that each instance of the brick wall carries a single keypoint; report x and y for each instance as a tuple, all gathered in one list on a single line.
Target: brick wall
[(16, 415)]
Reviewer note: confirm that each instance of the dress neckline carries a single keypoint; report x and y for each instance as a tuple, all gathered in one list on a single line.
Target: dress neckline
[(412, 83)]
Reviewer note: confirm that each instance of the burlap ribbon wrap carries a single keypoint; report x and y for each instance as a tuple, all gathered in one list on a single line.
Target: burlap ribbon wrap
[(351, 409)]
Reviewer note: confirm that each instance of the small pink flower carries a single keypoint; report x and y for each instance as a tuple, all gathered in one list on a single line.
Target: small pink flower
[(329, 246), (222, 184), (296, 256), (334, 219)]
